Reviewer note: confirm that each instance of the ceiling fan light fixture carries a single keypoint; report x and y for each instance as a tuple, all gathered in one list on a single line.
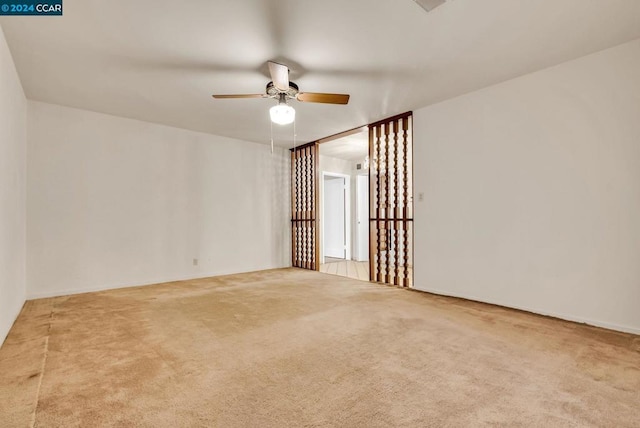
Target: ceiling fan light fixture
[(282, 89), (282, 114)]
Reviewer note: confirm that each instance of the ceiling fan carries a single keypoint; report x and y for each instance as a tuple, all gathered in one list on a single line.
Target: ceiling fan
[(282, 89)]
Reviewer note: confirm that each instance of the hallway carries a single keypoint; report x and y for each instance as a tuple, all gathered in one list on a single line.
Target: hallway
[(346, 268)]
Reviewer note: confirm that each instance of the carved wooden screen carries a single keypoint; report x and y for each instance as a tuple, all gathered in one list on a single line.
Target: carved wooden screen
[(391, 201), (304, 222)]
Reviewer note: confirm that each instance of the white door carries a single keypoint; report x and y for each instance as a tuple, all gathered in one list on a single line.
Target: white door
[(334, 217), (362, 217)]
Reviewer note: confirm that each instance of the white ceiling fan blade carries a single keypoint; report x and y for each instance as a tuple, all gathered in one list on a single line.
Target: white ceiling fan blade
[(279, 75)]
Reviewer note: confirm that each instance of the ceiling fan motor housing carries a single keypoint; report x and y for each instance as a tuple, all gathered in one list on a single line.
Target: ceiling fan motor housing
[(283, 89), (274, 92)]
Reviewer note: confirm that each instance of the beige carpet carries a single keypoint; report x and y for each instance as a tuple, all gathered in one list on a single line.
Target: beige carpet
[(292, 348)]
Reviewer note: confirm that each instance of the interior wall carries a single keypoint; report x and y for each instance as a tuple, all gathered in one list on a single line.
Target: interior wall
[(361, 218), (13, 146), (331, 164), (116, 202), (532, 192)]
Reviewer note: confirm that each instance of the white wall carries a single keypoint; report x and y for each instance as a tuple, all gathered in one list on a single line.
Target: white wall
[(114, 202), (13, 146), (361, 218), (532, 192), (331, 164)]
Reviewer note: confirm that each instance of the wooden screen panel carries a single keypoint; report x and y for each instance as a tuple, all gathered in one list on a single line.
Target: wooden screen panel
[(304, 203), (391, 201)]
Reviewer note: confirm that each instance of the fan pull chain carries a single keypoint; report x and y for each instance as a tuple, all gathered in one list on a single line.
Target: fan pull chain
[(294, 134), (271, 123)]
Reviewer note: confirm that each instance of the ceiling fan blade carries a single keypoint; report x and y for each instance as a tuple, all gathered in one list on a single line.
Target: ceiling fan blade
[(279, 75), (314, 97), (239, 96)]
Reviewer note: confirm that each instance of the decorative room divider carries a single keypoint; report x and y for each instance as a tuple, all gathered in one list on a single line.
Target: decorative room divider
[(391, 201), (304, 203)]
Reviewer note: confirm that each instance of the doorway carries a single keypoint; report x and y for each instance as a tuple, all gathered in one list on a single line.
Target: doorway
[(336, 216), (383, 152), (344, 201)]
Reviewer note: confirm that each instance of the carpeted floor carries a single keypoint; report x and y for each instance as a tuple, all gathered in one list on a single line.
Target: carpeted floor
[(293, 348)]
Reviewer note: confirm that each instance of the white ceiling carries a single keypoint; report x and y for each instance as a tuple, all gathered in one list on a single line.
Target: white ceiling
[(354, 147), (160, 61)]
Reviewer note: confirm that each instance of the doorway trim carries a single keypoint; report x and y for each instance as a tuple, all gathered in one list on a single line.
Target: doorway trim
[(347, 213)]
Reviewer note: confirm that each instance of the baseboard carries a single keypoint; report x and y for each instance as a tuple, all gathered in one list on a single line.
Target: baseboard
[(138, 283), (588, 321)]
